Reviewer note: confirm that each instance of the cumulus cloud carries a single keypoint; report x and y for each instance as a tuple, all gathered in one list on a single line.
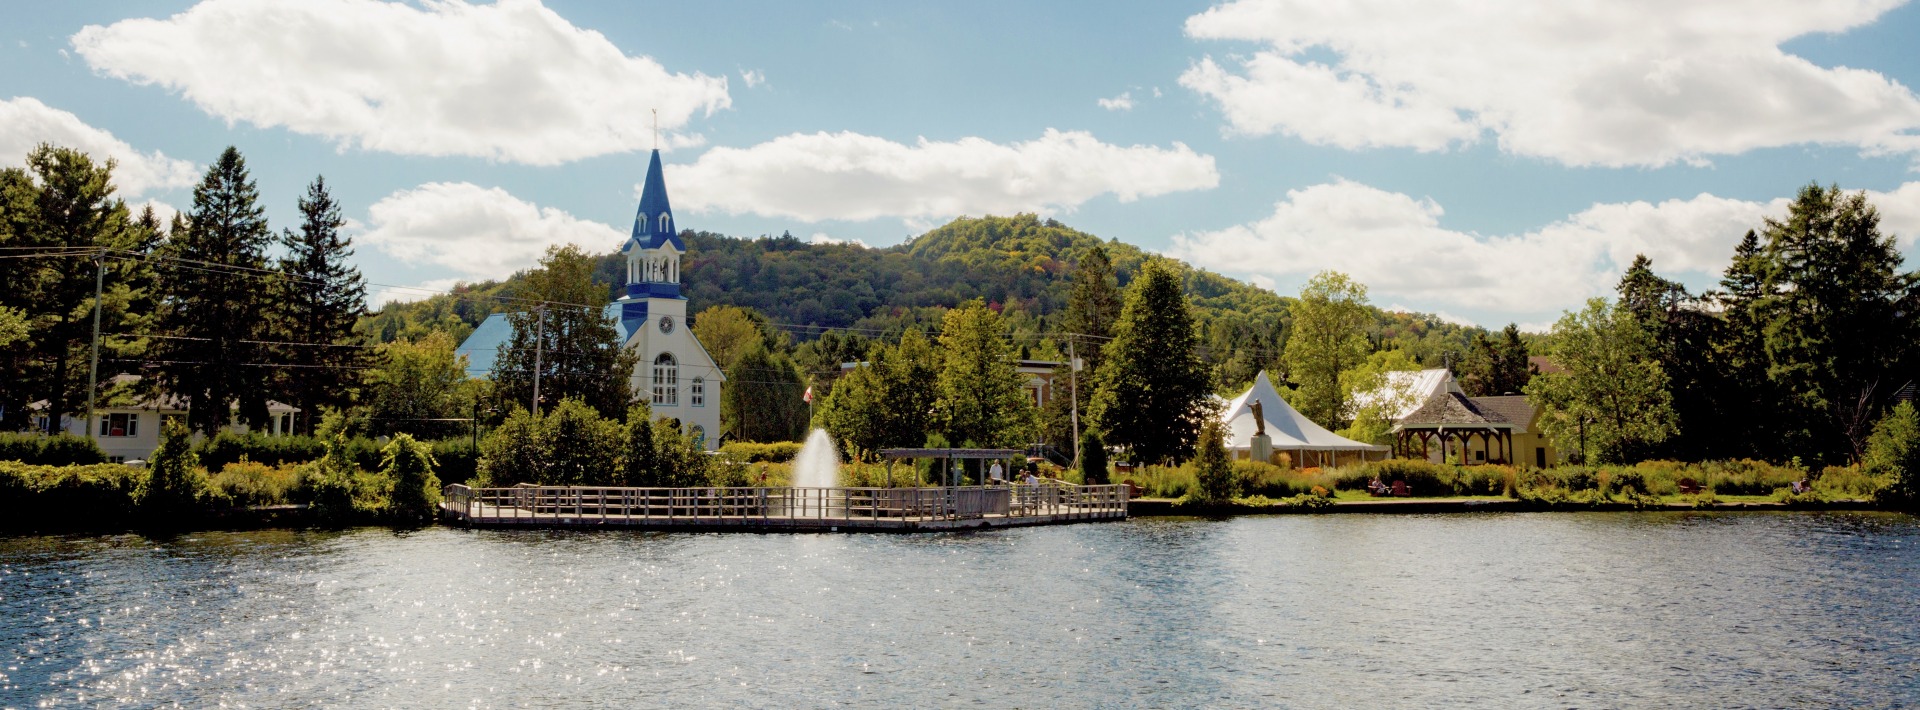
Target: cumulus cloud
[(482, 233), (1123, 102), (1397, 246), (753, 78), (820, 176), (824, 238), (408, 294), (1637, 82), (510, 81), (25, 123)]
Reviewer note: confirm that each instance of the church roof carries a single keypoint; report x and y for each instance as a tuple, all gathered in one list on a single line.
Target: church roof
[(1288, 428), (482, 346), (653, 203)]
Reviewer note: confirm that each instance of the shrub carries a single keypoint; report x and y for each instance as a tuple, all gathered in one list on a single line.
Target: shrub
[(1162, 481), (1213, 476), (416, 491), (513, 452), (247, 484), (228, 447), (455, 460), (1093, 457), (329, 485), (758, 452), (175, 487), (1893, 451), (66, 497), (580, 446), (1849, 482), (56, 450)]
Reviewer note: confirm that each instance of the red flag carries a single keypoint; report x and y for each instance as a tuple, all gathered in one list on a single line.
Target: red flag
[(808, 395)]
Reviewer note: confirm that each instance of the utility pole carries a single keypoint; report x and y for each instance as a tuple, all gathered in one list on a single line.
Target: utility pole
[(93, 370), (539, 346), (1073, 390)]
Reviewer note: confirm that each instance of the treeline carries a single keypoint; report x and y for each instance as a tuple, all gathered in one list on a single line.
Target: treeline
[(214, 308), (1799, 355)]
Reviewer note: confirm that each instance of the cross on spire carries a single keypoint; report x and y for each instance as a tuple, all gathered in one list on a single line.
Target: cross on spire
[(656, 128)]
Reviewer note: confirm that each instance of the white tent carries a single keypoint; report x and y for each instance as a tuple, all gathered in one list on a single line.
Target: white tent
[(1290, 431)]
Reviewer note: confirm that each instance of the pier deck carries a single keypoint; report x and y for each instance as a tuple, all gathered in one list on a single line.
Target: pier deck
[(784, 509)]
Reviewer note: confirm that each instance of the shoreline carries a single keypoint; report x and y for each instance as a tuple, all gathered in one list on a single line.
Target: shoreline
[(1168, 507)]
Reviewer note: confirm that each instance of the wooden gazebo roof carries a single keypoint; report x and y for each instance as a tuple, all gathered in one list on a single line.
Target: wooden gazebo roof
[(1452, 410)]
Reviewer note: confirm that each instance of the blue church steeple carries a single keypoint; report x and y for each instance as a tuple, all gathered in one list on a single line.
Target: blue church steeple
[(653, 252)]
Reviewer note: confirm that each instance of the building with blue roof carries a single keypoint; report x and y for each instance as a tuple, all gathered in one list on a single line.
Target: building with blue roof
[(676, 374)]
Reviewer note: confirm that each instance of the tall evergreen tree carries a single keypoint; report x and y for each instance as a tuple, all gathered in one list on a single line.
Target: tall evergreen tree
[(1329, 338), (213, 289), (1093, 306), (982, 399), (1151, 396), (1683, 330), (1748, 401), (317, 300), (1498, 366), (1836, 317), (569, 336)]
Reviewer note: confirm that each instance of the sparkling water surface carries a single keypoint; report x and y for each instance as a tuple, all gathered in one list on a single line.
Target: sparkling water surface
[(1493, 610)]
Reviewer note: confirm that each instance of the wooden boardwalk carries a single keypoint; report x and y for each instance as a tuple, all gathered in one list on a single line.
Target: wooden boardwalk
[(784, 509)]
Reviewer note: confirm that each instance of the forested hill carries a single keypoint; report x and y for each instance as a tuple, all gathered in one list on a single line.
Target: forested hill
[(1019, 264)]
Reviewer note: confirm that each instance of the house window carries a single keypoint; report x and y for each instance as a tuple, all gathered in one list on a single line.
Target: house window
[(666, 381), (119, 425), (697, 395)]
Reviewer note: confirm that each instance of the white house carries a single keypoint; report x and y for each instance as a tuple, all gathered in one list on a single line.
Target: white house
[(676, 375), (131, 432)]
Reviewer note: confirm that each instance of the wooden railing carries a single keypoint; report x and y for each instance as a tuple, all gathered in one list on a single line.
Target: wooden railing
[(774, 507)]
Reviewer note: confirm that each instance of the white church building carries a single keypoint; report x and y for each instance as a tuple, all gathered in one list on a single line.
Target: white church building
[(676, 375)]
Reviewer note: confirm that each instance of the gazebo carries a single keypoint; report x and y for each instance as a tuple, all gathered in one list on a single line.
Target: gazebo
[(1452, 417)]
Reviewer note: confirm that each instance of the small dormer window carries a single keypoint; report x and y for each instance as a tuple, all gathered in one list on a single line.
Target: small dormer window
[(666, 222)]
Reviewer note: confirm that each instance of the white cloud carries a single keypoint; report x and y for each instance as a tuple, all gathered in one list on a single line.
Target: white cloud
[(819, 176), (1396, 245), (509, 81), (1635, 82), (408, 294), (25, 123), (1123, 102), (753, 78), (1442, 315), (161, 211), (482, 233), (824, 238)]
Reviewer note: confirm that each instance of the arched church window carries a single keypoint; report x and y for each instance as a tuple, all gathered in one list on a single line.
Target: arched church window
[(666, 381), (666, 222), (697, 393)]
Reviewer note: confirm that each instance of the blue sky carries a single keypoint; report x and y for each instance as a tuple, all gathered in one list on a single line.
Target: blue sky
[(1489, 161)]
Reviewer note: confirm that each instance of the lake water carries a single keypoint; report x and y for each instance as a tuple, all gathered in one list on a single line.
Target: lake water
[(1498, 610)]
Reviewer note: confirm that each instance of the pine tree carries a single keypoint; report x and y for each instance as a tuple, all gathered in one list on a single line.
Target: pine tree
[(982, 398), (1093, 305), (1152, 390), (1213, 477), (317, 301), (214, 302), (579, 351)]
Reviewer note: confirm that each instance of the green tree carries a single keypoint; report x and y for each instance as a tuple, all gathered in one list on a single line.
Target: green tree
[(13, 326), (514, 452), (416, 383), (982, 397), (639, 461), (681, 461), (175, 487), (886, 402), (762, 399), (215, 313), (416, 491), (727, 331), (1213, 477), (330, 479), (1611, 402), (568, 335), (1893, 450), (1093, 306), (1329, 337), (1836, 318), (581, 447), (1379, 396), (1093, 457), (1497, 366), (317, 300), (1152, 390)]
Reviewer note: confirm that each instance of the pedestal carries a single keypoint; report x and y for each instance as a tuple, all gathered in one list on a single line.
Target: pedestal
[(1262, 448)]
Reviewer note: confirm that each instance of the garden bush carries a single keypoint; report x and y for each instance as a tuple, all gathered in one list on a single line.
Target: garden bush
[(34, 497), (757, 452), (57, 450), (176, 488), (416, 492), (228, 447), (246, 483)]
